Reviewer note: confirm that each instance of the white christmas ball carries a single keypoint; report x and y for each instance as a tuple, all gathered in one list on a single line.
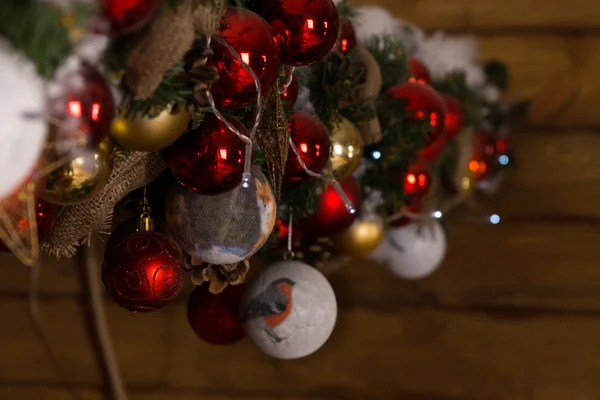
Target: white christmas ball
[(22, 112), (413, 251), (289, 310)]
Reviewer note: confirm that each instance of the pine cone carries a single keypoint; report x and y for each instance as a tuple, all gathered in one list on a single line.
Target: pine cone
[(219, 276), (315, 252)]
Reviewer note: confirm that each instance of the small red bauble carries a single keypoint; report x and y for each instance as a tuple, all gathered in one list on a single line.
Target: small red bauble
[(143, 272), (502, 147), (417, 180), (45, 216), (424, 103), (347, 39), (89, 107), (312, 141), (455, 115), (305, 30), (484, 155), (290, 95), (332, 216), (412, 205), (127, 16), (209, 159), (215, 318), (253, 40), (419, 71)]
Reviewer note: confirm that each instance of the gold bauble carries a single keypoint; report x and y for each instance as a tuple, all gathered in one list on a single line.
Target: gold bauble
[(150, 134), (468, 183), (361, 239), (81, 178), (346, 148)]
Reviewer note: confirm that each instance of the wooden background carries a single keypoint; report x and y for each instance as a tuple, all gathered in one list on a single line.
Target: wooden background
[(513, 314)]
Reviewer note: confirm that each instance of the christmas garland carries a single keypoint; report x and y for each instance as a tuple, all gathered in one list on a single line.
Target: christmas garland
[(205, 135)]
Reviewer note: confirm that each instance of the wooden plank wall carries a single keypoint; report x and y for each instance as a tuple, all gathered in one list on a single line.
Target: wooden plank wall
[(514, 314)]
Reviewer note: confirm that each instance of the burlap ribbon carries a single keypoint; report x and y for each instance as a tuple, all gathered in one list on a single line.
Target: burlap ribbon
[(369, 91)]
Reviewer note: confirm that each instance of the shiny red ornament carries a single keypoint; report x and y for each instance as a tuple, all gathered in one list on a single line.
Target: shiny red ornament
[(455, 116), (89, 107), (290, 95), (143, 272), (332, 216), (215, 318), (127, 16), (417, 180), (312, 141), (210, 158), (252, 38), (347, 38), (419, 71), (305, 30), (502, 147), (484, 155), (424, 103), (45, 217)]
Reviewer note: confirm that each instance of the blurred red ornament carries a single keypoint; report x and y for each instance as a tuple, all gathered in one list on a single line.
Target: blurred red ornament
[(424, 103), (209, 159), (312, 141), (290, 95), (45, 216), (127, 16), (347, 38), (484, 155), (455, 116), (417, 180), (306, 30), (419, 71), (332, 216), (215, 318), (89, 105), (502, 147), (413, 206), (252, 38), (143, 272)]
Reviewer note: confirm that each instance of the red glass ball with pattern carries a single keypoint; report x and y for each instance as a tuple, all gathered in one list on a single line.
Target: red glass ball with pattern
[(332, 216), (252, 38), (455, 116), (143, 272), (305, 30), (215, 318), (127, 16), (310, 137), (45, 217), (418, 70), (210, 158), (424, 103)]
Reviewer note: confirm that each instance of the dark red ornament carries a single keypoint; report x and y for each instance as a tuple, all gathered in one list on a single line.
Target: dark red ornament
[(89, 107), (424, 103), (419, 71), (455, 116), (312, 141), (412, 205), (215, 318), (332, 216), (252, 38), (210, 158), (306, 30), (127, 16), (347, 38), (417, 180), (143, 272), (45, 217), (484, 155), (290, 95)]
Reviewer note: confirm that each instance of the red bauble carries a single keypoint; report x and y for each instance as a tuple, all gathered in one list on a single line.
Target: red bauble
[(455, 116), (332, 216), (45, 216), (417, 180), (209, 159), (412, 205), (127, 16), (424, 103), (419, 71), (484, 155), (143, 272), (312, 141), (215, 317), (502, 147), (252, 38), (305, 30), (290, 95), (347, 38), (89, 107)]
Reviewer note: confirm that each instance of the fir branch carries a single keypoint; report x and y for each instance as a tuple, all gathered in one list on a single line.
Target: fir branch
[(496, 73), (35, 29), (346, 11), (301, 198), (392, 59)]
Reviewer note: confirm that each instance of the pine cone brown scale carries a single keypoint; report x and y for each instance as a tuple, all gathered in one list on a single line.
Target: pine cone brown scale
[(218, 276)]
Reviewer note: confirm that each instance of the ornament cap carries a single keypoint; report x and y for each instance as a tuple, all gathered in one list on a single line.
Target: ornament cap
[(145, 222)]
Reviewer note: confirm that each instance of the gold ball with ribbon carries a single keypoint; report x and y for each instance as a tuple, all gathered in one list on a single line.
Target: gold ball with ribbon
[(80, 178), (346, 148), (361, 239), (140, 133)]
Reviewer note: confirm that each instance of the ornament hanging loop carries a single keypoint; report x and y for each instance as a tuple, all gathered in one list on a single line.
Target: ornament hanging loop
[(145, 221), (289, 255)]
